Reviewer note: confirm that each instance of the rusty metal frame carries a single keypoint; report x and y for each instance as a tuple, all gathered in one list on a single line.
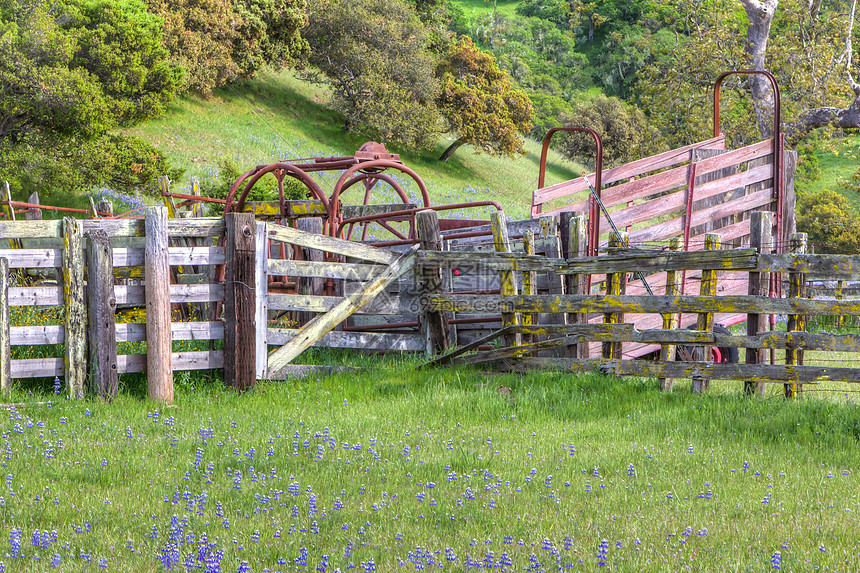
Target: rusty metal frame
[(778, 141)]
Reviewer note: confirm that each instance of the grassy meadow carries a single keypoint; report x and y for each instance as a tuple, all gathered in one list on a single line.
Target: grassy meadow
[(399, 469)]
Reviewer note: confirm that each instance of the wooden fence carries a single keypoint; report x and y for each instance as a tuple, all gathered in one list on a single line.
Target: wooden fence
[(82, 272), (613, 306), (73, 266)]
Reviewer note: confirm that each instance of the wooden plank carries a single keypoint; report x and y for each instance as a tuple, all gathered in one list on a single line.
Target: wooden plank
[(434, 324), (828, 267), (213, 330), (37, 368), (641, 304), (371, 341), (305, 370), (101, 311), (294, 209), (543, 226), (761, 227), (34, 214), (648, 261), (319, 326), (157, 295), (624, 172), (240, 360), (308, 285), (330, 244), (194, 360), (385, 304), (135, 295), (615, 286), (320, 269), (353, 211), (5, 334), (261, 312), (37, 335), (529, 282), (202, 227), (33, 258), (675, 226), (578, 283), (75, 308), (705, 321), (667, 204), (657, 183)]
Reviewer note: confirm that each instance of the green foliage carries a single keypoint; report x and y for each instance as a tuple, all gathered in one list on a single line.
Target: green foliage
[(60, 169), (548, 113), (623, 128), (677, 86), (829, 221), (480, 103), (80, 67), (374, 54), (199, 34), (268, 33), (216, 41), (531, 49), (69, 73), (808, 166)]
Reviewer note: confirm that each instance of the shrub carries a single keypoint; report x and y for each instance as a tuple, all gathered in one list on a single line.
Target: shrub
[(829, 221)]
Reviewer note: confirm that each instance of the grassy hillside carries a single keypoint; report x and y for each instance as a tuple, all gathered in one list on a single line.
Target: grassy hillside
[(278, 116), (837, 160)]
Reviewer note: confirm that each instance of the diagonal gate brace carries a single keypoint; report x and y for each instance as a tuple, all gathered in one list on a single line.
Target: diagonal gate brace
[(324, 323)]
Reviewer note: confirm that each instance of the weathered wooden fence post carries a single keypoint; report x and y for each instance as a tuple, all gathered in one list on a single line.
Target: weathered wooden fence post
[(34, 214), (240, 354), (529, 280), (671, 320), (104, 208), (104, 376), (616, 285), (433, 323), (5, 329), (75, 308), (705, 322), (796, 322), (578, 284), (507, 279), (761, 233), (159, 348)]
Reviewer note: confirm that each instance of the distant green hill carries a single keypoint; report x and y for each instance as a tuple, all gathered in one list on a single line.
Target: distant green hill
[(278, 116)]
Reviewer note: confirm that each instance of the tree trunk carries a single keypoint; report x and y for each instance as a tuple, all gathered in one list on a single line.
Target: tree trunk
[(760, 14), (451, 149)]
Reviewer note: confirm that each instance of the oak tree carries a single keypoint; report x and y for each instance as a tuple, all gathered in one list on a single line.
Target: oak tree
[(479, 102), (374, 55)]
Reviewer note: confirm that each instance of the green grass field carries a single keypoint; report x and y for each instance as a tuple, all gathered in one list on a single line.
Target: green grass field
[(396, 470), (473, 8), (277, 116)]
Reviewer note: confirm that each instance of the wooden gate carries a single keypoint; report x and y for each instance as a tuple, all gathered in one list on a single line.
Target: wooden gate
[(346, 288)]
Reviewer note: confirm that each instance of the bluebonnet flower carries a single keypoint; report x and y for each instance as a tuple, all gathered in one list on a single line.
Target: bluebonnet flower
[(602, 553), (776, 560)]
